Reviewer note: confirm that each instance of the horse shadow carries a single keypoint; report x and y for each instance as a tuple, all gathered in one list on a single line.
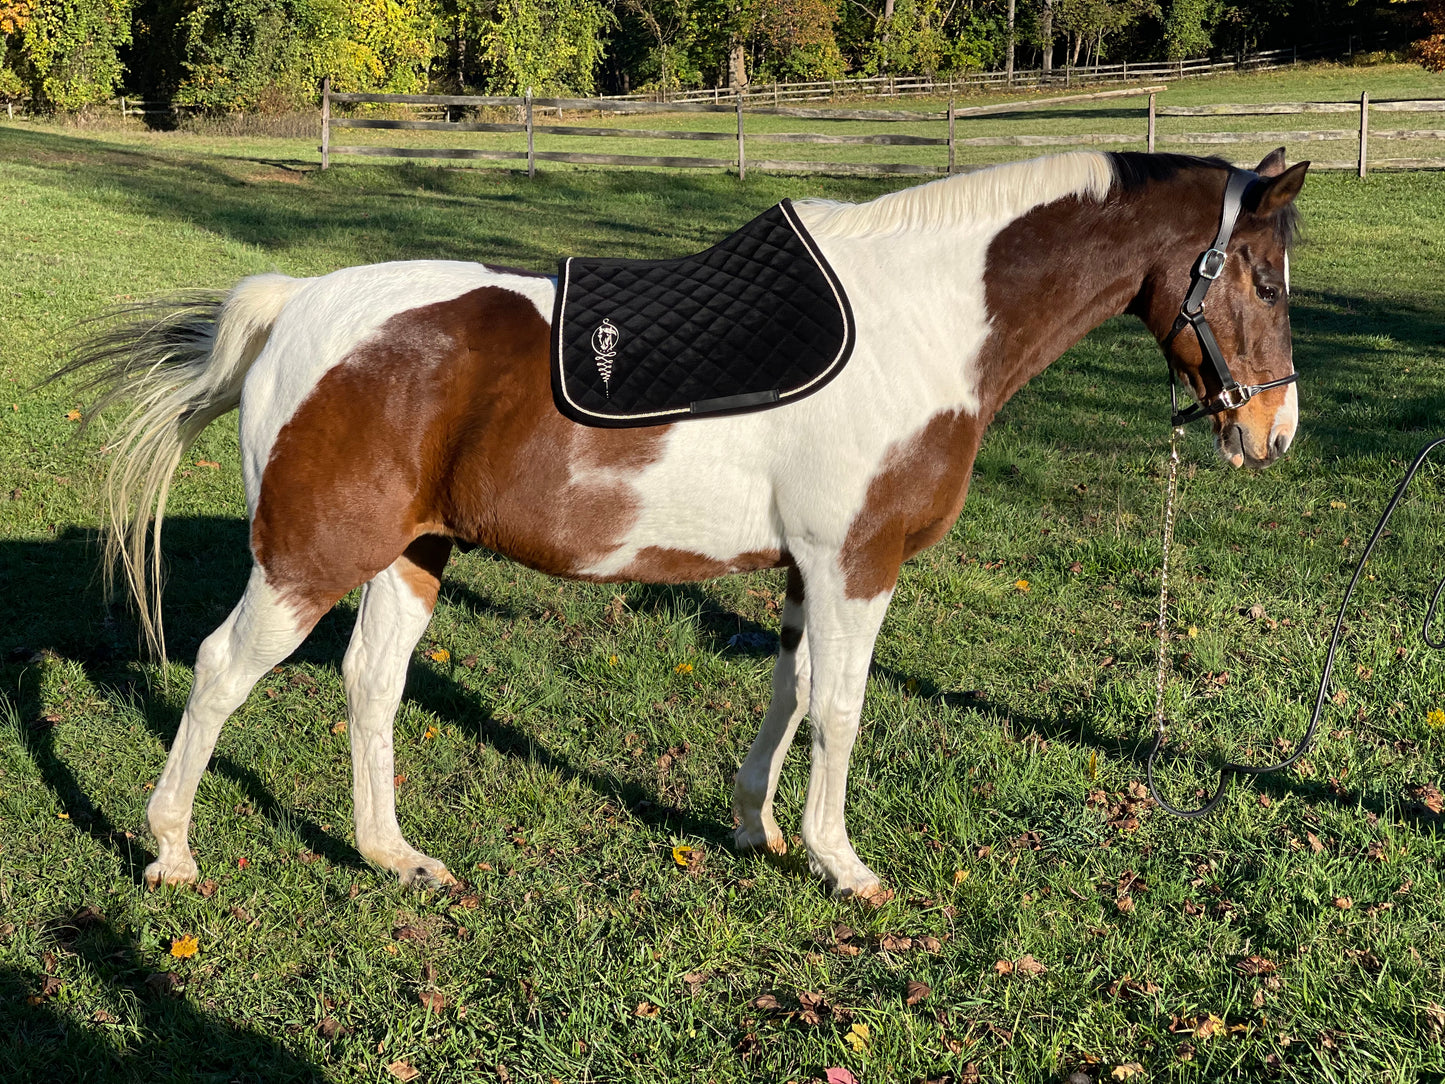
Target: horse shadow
[(40, 1040)]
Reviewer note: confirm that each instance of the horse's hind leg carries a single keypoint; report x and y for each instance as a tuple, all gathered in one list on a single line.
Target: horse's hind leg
[(396, 606), (757, 779), (259, 633)]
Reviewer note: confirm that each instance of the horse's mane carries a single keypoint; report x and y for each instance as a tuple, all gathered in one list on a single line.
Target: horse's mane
[(998, 192), (1009, 190)]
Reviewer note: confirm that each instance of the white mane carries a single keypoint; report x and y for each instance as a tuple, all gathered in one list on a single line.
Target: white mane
[(998, 192)]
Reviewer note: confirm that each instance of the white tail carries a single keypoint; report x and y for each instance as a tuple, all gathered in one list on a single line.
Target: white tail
[(180, 363)]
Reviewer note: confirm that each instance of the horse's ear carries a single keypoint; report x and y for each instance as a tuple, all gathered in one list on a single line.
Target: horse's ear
[(1272, 164), (1273, 194)]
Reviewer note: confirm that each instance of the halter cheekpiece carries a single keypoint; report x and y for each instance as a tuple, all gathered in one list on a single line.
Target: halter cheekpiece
[(1207, 268)]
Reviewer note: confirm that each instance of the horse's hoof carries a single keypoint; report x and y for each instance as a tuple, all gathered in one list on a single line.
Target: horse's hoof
[(759, 839), (424, 872), (173, 873)]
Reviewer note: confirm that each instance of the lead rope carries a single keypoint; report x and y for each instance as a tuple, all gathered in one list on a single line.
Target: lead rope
[(1230, 768)]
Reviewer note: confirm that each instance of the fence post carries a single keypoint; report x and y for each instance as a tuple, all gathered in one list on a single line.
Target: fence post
[(1364, 129), (742, 154), (1151, 124), (950, 134), (326, 122), (531, 150)]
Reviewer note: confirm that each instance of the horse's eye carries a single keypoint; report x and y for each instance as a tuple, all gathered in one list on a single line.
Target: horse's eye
[(1268, 294)]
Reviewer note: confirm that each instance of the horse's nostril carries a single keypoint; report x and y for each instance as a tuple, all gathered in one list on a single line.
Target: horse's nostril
[(1280, 444)]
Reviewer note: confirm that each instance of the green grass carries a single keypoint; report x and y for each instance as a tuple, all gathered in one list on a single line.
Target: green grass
[(535, 765)]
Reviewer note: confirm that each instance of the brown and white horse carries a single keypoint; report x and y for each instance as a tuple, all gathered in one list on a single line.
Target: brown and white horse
[(388, 411)]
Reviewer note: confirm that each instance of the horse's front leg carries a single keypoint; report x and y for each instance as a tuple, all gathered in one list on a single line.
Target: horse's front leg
[(841, 632), (757, 779)]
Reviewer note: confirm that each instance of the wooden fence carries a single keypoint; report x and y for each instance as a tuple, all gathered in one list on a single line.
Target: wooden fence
[(528, 105), (1362, 134), (898, 86)]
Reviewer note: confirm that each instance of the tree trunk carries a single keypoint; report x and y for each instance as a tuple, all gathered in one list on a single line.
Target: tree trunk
[(738, 67), (1046, 36), (1010, 68)]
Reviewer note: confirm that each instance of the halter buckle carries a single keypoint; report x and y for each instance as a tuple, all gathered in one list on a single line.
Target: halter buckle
[(1211, 263), (1231, 398)]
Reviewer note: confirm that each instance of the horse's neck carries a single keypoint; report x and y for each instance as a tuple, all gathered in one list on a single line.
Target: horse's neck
[(1059, 271)]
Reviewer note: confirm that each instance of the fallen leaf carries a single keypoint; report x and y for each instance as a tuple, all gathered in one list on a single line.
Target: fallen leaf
[(1209, 1027), (208, 463), (403, 1071), (682, 855), (432, 1000), (858, 1037), (1127, 1071), (1256, 965), (916, 991), (100, 1016), (409, 933), (1004, 967), (1027, 965), (72, 416), (207, 889), (1344, 903), (184, 947), (330, 1029), (1021, 585), (1315, 844), (1435, 1019), (441, 654), (766, 1002), (646, 1010)]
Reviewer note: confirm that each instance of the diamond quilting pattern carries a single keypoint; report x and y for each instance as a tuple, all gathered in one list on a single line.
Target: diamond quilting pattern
[(758, 315)]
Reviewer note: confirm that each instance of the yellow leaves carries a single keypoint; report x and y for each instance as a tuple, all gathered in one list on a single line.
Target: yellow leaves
[(211, 463), (1193, 632), (339, 727), (612, 660), (1435, 718), (1338, 506), (1209, 1027), (439, 654), (1021, 586), (682, 855), (682, 668), (429, 733), (959, 876), (14, 14), (1093, 765), (183, 948), (72, 416), (858, 1037)]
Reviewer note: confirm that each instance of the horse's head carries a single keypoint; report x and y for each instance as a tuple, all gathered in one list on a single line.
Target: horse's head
[(1246, 308)]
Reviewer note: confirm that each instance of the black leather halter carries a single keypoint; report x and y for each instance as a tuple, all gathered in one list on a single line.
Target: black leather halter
[(1210, 266)]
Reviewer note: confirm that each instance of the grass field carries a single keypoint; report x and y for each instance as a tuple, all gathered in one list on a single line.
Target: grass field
[(1294, 935)]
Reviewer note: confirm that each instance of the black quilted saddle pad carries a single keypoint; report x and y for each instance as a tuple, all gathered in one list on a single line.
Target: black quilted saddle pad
[(756, 321)]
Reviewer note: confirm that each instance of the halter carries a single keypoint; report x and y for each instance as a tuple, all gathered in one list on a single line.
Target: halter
[(1210, 266)]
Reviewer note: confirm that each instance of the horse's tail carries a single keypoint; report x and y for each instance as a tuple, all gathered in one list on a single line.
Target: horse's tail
[(180, 362)]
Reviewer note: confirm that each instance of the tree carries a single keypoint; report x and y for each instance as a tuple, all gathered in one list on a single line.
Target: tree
[(1189, 27), (543, 44), (65, 53)]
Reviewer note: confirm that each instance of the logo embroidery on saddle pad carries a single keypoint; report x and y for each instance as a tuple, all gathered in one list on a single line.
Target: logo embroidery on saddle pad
[(756, 321)]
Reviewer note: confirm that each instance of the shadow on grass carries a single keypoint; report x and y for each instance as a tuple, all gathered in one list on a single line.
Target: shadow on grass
[(41, 1040)]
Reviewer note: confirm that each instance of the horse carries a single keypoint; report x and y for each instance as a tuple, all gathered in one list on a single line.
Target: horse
[(389, 412)]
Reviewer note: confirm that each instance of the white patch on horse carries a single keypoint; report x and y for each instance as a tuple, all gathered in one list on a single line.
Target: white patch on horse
[(337, 315), (912, 264)]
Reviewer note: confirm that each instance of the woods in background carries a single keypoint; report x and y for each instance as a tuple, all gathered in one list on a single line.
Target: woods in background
[(269, 55)]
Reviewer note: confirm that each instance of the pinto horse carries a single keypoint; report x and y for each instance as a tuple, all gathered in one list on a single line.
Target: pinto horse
[(389, 412)]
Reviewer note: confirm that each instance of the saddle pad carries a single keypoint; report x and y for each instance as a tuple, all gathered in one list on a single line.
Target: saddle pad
[(756, 321)]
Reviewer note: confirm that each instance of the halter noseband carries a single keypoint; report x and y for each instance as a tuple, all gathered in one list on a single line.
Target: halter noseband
[(1210, 266)]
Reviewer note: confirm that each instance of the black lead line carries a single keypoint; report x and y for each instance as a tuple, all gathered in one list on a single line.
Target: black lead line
[(1230, 768)]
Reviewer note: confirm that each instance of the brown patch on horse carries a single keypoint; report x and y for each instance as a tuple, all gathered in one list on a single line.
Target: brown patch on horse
[(421, 566), (911, 502), (442, 423), (658, 564)]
